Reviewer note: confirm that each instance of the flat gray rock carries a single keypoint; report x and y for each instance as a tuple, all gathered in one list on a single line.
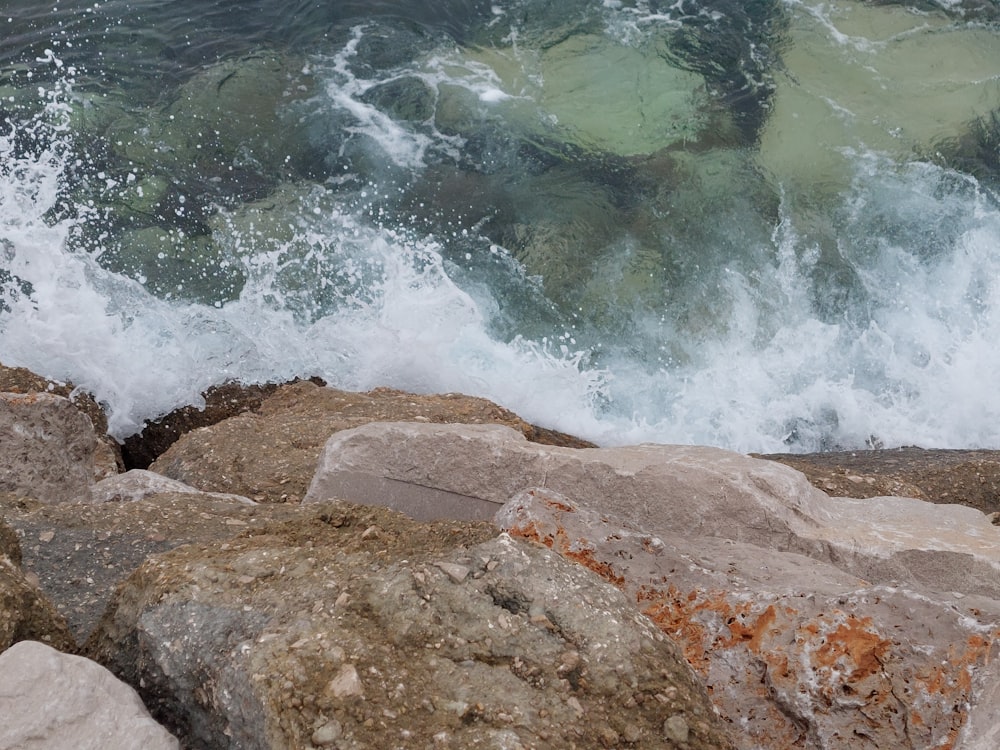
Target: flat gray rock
[(468, 471), (139, 484)]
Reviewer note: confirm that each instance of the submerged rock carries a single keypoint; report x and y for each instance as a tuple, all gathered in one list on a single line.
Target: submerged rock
[(862, 76), (55, 701), (590, 91), (360, 629)]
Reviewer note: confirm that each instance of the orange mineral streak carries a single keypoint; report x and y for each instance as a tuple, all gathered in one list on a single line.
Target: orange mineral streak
[(854, 647), (855, 642), (558, 505), (751, 633), (952, 680), (676, 614), (579, 551), (532, 533)]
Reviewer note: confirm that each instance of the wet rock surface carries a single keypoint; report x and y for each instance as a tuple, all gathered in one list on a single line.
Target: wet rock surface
[(221, 402), (361, 628), (270, 455)]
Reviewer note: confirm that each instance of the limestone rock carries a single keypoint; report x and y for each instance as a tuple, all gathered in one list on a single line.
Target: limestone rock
[(270, 455), (348, 630), (138, 484), (47, 447), (54, 701), (107, 457), (79, 552), (695, 490), (24, 612), (221, 402), (794, 652)]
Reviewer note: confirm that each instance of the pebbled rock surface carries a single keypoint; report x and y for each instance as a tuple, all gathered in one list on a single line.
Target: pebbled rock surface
[(25, 613), (107, 453), (270, 455), (794, 652), (48, 447), (79, 552), (359, 628), (966, 477), (221, 402), (55, 701)]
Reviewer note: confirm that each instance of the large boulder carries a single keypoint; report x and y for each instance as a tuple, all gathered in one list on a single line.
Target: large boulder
[(270, 454), (700, 491), (359, 628), (54, 701), (107, 457), (47, 447), (794, 651)]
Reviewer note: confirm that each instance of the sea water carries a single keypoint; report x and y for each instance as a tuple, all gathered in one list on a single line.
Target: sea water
[(766, 227)]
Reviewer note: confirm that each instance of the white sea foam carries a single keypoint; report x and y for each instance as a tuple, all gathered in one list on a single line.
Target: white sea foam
[(142, 356), (917, 366)]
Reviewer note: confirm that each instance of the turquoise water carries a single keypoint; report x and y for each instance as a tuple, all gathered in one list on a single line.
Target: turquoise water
[(766, 226)]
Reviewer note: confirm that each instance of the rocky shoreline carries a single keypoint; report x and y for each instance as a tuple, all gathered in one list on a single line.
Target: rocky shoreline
[(304, 567)]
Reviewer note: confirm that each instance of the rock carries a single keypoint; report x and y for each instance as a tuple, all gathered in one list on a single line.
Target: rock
[(221, 402), (54, 701), (270, 455), (176, 264), (965, 477), (312, 630), (107, 458), (470, 470), (795, 652), (25, 614), (79, 552), (10, 546), (47, 447), (139, 484), (836, 94)]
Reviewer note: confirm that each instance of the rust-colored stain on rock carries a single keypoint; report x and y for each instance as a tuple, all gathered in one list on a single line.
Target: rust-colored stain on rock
[(854, 646), (793, 670), (576, 550)]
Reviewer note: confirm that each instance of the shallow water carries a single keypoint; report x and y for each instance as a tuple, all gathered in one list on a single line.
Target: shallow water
[(767, 226)]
